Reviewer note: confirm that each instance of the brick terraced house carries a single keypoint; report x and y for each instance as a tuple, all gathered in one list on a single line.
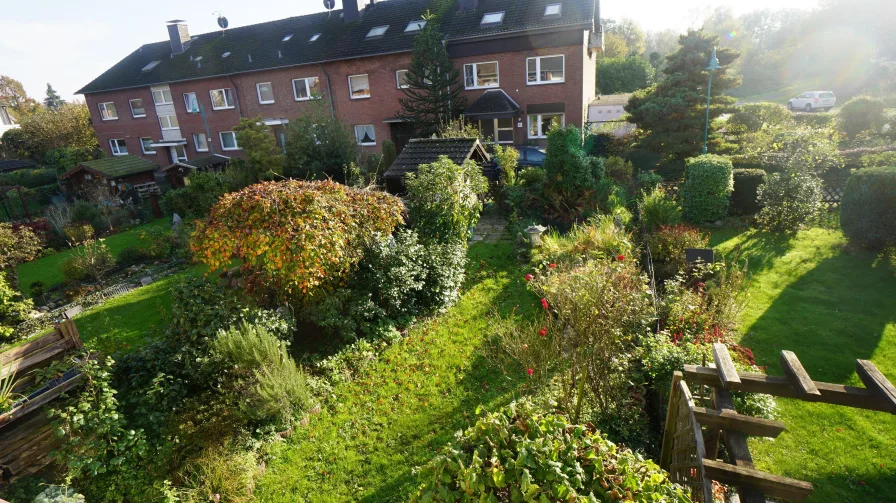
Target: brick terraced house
[(524, 64)]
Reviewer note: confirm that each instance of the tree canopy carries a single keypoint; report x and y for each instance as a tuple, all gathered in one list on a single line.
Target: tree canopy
[(623, 75)]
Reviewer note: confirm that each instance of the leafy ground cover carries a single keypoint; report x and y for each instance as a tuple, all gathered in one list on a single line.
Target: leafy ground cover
[(47, 268), (812, 295), (408, 404)]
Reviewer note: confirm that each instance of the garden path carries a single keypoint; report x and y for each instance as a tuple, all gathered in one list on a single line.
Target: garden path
[(492, 228)]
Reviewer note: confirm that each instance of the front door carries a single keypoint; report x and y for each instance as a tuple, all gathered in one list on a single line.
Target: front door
[(402, 132)]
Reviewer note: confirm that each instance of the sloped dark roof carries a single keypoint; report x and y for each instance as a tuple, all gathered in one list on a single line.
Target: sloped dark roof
[(201, 162), (114, 167), (428, 150), (494, 103), (14, 164), (338, 40)]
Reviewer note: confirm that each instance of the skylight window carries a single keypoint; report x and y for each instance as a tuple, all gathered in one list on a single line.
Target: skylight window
[(225, 54), (377, 31), (197, 58), (492, 18), (314, 37), (415, 25), (287, 37), (552, 10), (150, 66)]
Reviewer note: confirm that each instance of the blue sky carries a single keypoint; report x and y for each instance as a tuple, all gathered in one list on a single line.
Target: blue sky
[(68, 43)]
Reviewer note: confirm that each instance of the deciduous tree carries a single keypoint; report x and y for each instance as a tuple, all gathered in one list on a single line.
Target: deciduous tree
[(623, 75), (13, 94), (258, 142)]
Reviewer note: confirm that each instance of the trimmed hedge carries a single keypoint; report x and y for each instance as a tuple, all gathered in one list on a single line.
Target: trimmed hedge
[(708, 183), (745, 198), (868, 207)]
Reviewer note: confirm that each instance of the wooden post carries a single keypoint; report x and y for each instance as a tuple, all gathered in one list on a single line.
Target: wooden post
[(727, 371), (797, 375), (70, 332), (669, 432), (736, 445), (876, 382)]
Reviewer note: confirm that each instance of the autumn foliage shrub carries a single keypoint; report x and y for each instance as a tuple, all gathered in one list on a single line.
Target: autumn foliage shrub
[(668, 245), (295, 237)]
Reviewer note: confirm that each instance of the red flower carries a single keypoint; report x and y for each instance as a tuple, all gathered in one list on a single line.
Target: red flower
[(620, 257), (544, 303), (552, 265), (528, 277), (543, 332), (530, 371), (860, 482)]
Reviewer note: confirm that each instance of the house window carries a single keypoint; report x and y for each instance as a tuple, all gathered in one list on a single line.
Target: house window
[(504, 130), (415, 25), (146, 145), (108, 111), (162, 97), (191, 103), (222, 99), (401, 79), (119, 147), (359, 86), (228, 140), (314, 37), (377, 31), (200, 142), (306, 89), (492, 18), (481, 75), (552, 9), (365, 135), (137, 109), (265, 93), (180, 153), (150, 66), (544, 70), (540, 124), (286, 38), (168, 122)]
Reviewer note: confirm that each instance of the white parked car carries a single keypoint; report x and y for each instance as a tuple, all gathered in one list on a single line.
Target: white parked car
[(813, 100)]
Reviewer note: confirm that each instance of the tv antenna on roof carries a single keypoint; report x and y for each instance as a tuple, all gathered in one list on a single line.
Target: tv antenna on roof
[(222, 21), (329, 4)]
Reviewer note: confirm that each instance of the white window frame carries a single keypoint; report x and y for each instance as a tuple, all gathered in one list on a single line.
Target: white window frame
[(314, 37), (177, 157), (381, 30), (559, 7), (538, 81), (498, 129), (398, 80), (104, 110), (258, 92), (476, 75), (500, 20), (307, 88), (358, 139), (228, 98), (542, 134), (115, 147), (162, 93), (167, 119), (221, 139), (369, 92), (286, 38), (143, 145), (131, 104), (415, 25), (187, 102), (196, 144)]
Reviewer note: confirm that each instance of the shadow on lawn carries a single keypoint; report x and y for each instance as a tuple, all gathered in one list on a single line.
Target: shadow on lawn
[(759, 248)]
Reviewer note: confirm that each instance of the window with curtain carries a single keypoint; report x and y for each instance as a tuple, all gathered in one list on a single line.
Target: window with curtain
[(365, 135)]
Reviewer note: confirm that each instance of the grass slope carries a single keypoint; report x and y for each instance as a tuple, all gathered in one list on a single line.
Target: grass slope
[(365, 444), (47, 268), (830, 306)]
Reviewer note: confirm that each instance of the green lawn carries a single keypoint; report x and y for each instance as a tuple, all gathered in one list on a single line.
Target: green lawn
[(409, 402), (47, 268), (830, 306)]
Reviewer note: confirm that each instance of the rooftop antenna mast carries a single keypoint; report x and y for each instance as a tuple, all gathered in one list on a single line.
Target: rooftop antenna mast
[(329, 4), (222, 21)]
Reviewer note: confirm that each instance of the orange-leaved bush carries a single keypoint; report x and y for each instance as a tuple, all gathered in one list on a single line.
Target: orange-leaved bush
[(294, 237)]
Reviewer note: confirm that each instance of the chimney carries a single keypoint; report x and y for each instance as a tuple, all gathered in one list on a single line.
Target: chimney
[(350, 12), (469, 4), (179, 36)]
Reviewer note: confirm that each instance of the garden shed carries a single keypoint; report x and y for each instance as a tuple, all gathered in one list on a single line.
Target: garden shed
[(16, 164), (428, 150), (179, 171), (119, 173)]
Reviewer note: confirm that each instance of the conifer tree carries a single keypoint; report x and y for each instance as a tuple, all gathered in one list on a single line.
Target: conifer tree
[(53, 100)]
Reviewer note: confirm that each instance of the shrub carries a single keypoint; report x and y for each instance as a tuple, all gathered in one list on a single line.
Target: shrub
[(318, 145), (868, 207), (619, 170), (507, 158), (561, 462), (197, 198), (752, 117), (790, 201), (745, 198), (389, 153), (294, 237), (79, 232), (667, 248), (642, 160), (94, 259), (219, 473), (649, 180), (598, 238), (861, 114), (13, 309), (881, 159), (38, 289), (29, 178), (444, 199), (708, 183), (658, 209), (86, 212), (130, 255), (59, 494), (570, 176), (157, 243)]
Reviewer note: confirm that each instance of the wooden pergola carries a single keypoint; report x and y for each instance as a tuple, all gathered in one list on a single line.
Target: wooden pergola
[(692, 434)]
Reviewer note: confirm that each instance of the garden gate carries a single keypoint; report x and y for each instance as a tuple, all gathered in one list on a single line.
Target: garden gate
[(692, 433)]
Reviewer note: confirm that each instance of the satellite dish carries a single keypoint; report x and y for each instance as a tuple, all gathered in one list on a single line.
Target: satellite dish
[(222, 21), (329, 4)]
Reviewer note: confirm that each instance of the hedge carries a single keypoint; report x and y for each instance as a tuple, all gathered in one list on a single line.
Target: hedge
[(744, 199), (868, 207), (708, 183)]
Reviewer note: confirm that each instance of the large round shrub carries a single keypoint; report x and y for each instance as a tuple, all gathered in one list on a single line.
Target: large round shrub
[(295, 237), (861, 114), (444, 199), (745, 198), (790, 201), (519, 454), (868, 207), (708, 183)]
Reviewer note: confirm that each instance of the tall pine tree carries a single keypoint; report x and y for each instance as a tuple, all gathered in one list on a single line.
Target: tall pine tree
[(53, 101), (432, 96), (672, 113)]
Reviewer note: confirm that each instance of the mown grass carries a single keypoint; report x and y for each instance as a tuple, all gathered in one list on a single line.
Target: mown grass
[(47, 268), (812, 295), (408, 404)]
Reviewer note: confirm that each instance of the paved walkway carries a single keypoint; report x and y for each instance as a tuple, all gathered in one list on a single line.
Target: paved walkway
[(492, 228)]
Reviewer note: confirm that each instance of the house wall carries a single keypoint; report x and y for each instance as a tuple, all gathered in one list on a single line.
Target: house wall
[(126, 126)]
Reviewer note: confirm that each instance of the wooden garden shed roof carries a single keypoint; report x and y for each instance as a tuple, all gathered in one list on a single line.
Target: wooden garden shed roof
[(113, 167)]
